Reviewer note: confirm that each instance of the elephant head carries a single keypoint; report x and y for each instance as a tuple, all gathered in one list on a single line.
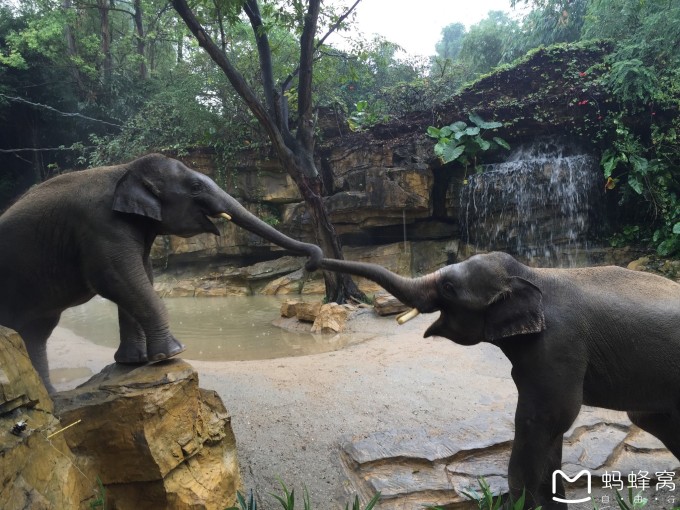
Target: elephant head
[(485, 298), (182, 200)]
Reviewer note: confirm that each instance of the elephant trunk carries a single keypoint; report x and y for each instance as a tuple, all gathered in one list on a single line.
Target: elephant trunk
[(235, 212), (419, 293)]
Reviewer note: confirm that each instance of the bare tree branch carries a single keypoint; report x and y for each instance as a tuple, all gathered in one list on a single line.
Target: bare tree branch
[(252, 10), (275, 103), (305, 131), (286, 83)]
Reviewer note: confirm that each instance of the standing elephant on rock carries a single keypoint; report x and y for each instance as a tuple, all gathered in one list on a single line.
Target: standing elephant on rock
[(600, 336), (90, 232)]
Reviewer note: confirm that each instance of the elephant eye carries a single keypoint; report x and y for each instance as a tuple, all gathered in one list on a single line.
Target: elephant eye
[(449, 288), (196, 187)]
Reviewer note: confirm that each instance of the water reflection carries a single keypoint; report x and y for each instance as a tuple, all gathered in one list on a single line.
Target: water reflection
[(218, 329)]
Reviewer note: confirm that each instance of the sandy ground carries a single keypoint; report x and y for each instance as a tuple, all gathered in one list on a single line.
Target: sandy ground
[(290, 414)]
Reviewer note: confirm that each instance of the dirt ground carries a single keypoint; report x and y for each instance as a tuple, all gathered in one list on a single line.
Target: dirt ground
[(291, 414)]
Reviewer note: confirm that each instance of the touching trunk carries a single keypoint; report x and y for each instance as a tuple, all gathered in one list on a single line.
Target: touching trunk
[(301, 167), (244, 219), (420, 293), (339, 287)]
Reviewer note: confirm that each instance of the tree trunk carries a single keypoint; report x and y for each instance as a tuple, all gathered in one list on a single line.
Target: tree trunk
[(72, 51), (340, 287), (141, 42), (294, 152), (105, 38)]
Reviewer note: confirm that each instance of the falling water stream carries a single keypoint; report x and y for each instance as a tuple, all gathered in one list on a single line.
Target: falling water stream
[(539, 205)]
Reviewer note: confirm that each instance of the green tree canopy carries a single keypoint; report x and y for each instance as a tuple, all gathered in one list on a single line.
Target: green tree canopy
[(451, 42)]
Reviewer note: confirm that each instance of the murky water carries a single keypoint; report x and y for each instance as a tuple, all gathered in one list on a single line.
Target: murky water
[(215, 329)]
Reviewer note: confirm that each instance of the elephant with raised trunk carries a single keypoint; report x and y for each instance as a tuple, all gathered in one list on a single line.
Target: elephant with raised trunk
[(90, 232), (601, 336)]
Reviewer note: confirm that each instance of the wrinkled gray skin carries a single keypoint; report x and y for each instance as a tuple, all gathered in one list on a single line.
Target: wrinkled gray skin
[(90, 232), (601, 336)]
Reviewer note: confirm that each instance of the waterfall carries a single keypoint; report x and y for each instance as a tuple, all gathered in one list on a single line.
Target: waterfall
[(539, 205)]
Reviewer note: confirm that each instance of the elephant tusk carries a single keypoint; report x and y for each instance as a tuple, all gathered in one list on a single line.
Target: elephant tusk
[(225, 216), (407, 316)]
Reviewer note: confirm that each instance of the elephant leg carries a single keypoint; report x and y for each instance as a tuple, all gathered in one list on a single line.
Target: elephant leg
[(664, 426), (35, 335), (541, 419), (132, 347), (126, 283)]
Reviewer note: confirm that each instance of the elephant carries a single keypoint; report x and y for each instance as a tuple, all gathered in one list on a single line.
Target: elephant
[(90, 232), (600, 336)]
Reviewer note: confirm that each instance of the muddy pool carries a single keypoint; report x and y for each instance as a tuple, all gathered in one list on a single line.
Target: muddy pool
[(215, 329)]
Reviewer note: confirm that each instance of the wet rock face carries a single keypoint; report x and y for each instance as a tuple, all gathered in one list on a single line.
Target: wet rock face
[(371, 199), (371, 192), (36, 471), (155, 439)]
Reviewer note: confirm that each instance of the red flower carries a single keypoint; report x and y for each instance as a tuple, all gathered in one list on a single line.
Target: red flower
[(582, 74)]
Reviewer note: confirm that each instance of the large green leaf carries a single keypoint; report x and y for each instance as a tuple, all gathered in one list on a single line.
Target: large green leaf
[(472, 131), (446, 131), (485, 145), (501, 142), (458, 126), (676, 228), (451, 153), (433, 132), (477, 120), (636, 184), (609, 161), (640, 165)]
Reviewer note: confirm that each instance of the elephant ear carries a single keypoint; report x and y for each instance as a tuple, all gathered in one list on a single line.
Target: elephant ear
[(135, 194), (517, 312)]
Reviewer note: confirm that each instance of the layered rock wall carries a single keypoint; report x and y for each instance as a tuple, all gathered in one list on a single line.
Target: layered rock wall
[(130, 438), (385, 185), (376, 198), (37, 469)]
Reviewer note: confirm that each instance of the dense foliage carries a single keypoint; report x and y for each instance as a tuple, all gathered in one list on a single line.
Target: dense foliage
[(625, 105), (96, 82)]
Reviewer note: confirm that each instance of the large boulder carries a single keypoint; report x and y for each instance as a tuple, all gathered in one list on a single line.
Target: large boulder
[(155, 439), (37, 468)]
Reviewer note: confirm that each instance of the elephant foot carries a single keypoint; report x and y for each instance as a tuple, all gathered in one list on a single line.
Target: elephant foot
[(134, 354), (160, 352), (51, 390)]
